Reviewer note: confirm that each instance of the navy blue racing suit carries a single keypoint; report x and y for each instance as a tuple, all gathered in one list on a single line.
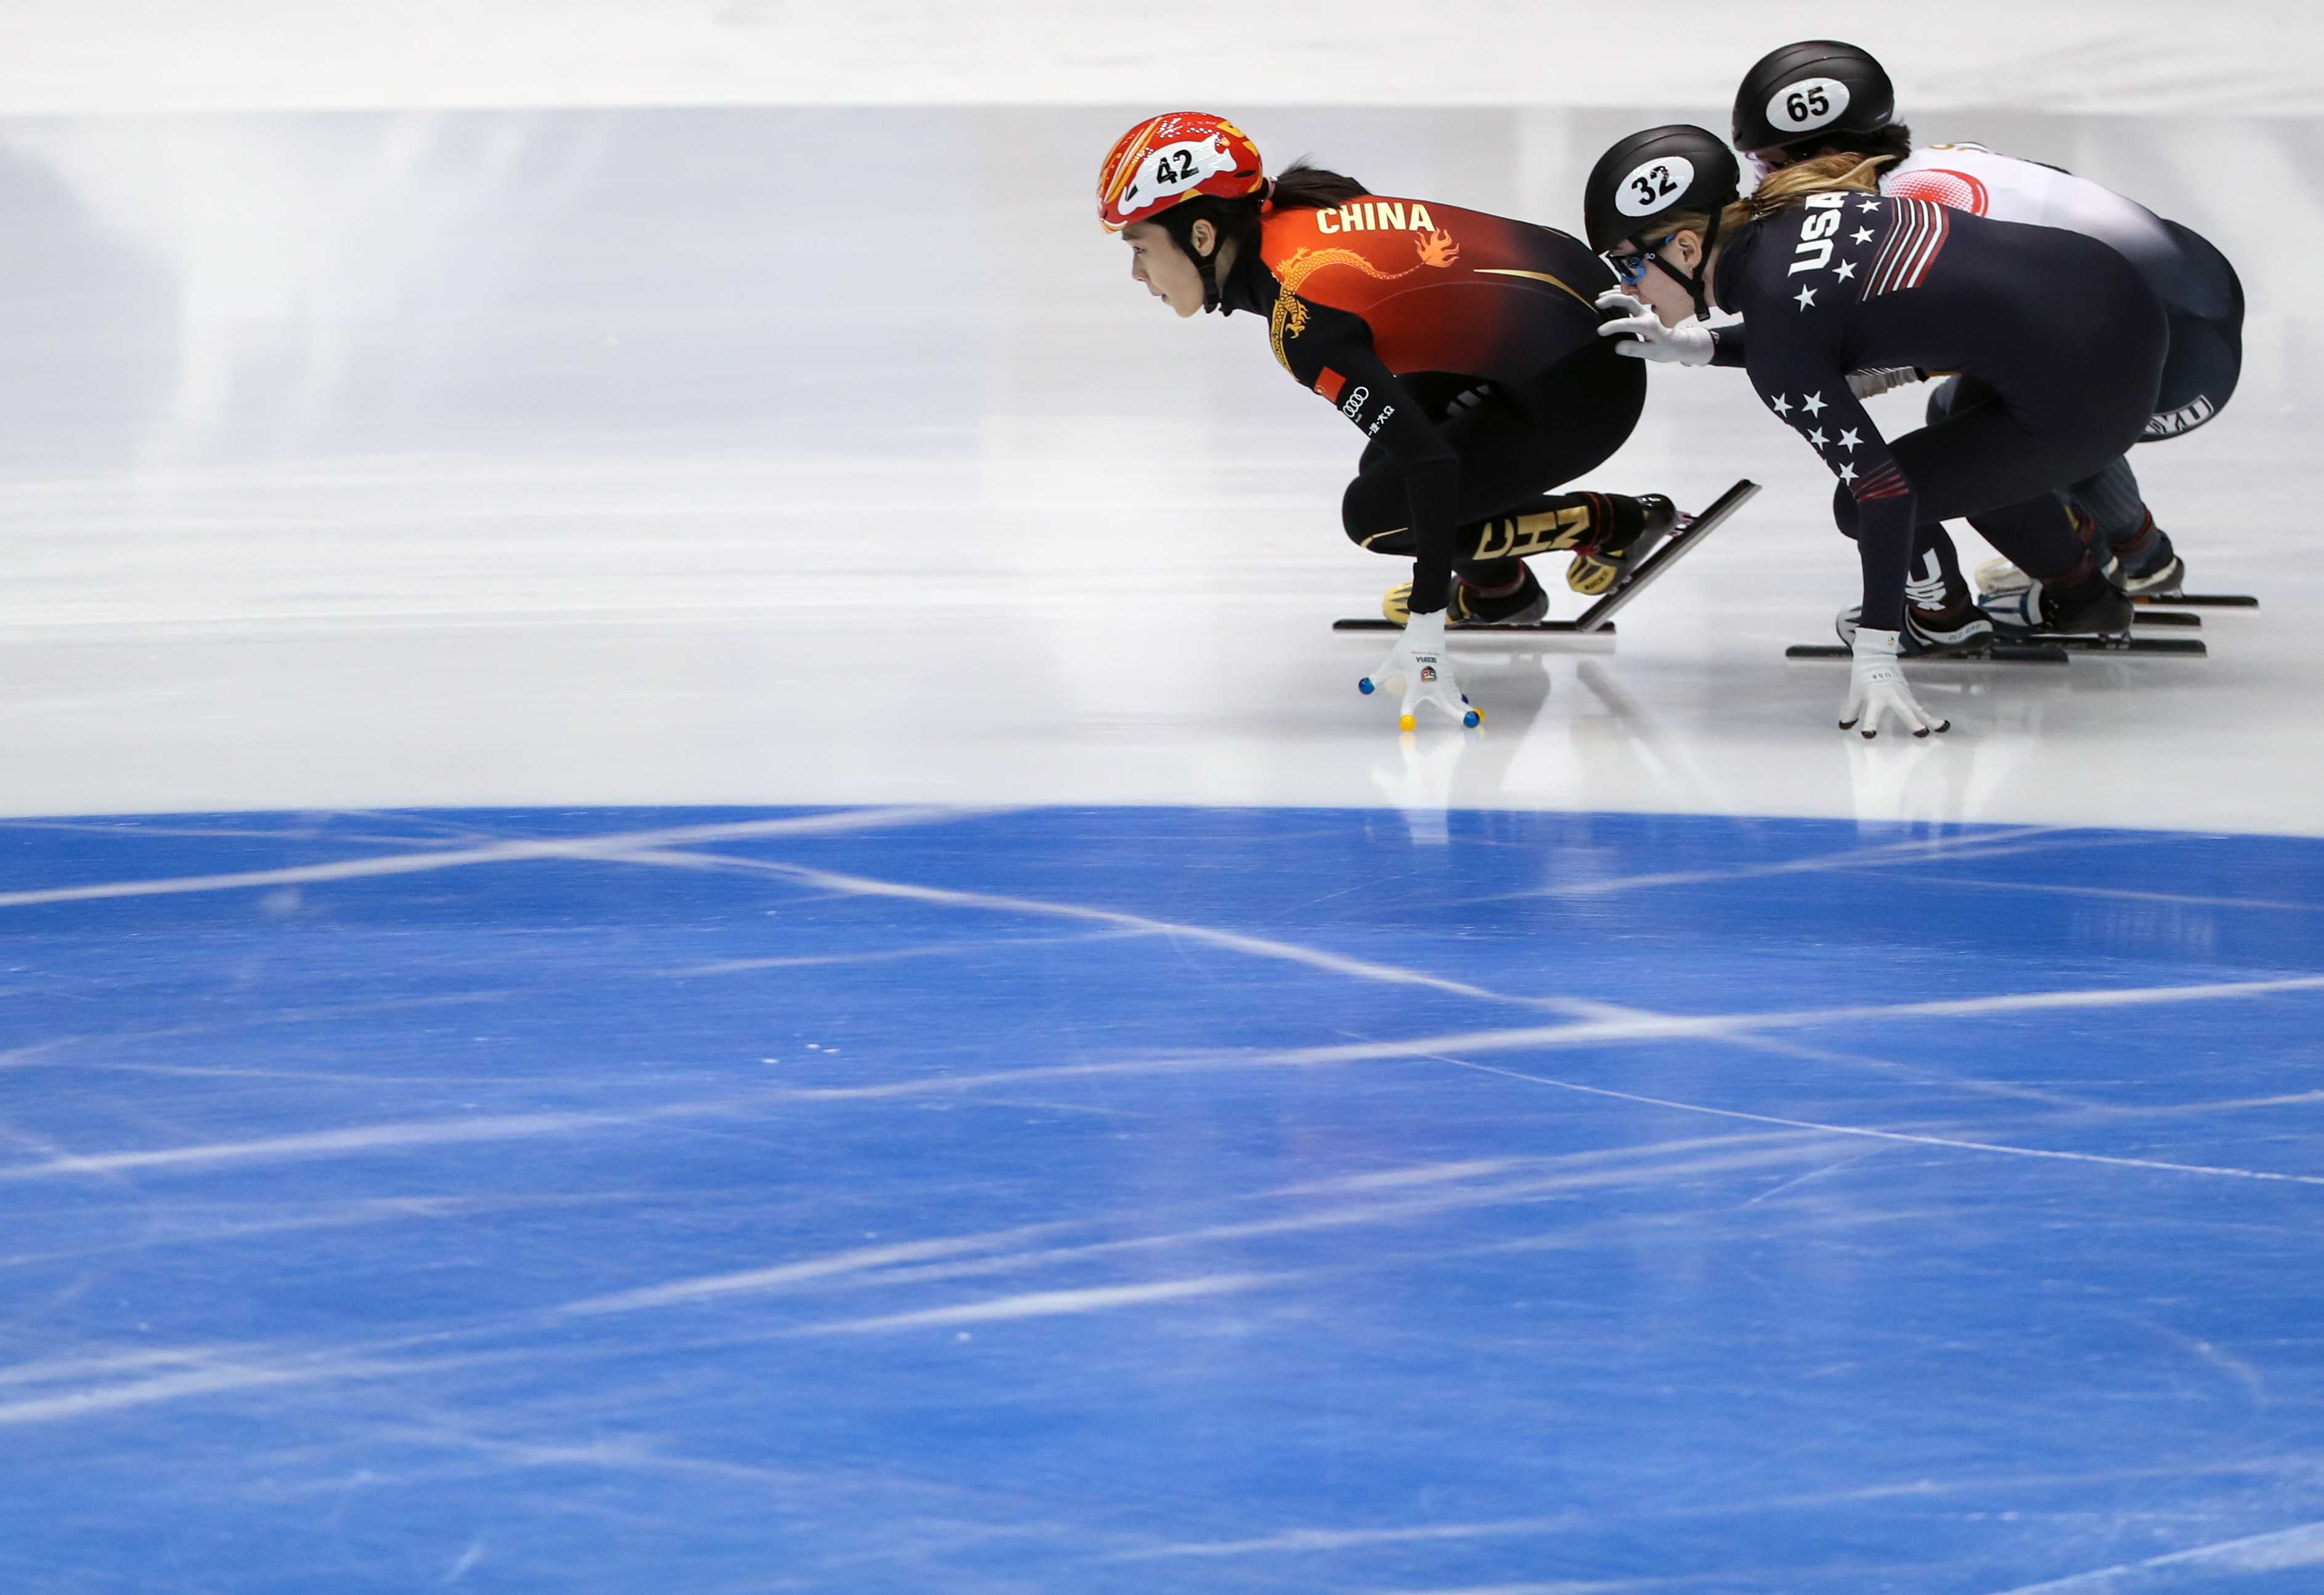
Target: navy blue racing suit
[(2065, 337)]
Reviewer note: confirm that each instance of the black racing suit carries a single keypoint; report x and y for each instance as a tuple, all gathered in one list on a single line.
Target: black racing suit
[(2064, 336), (1466, 346)]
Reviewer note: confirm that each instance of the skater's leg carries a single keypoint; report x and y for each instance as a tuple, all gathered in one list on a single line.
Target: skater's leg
[(2111, 500), (1968, 463), (1516, 445)]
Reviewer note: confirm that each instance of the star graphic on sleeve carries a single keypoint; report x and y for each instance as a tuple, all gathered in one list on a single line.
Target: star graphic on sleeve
[(1848, 440), (1816, 437), (1807, 297), (1863, 235), (1780, 405), (1847, 269), (1812, 403), (1868, 204), (1847, 474)]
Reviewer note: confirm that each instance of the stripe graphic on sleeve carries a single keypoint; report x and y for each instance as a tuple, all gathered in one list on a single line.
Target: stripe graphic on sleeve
[(1886, 483), (1917, 230)]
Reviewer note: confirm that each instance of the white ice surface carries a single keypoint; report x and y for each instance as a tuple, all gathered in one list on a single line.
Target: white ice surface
[(652, 457)]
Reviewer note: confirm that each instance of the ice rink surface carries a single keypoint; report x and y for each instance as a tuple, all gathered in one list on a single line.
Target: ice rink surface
[(695, 900)]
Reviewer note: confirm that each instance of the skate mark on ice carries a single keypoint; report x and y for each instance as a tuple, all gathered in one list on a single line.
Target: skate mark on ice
[(1052, 1304), (365, 1138), (2262, 1552), (2061, 889), (1304, 1541), (501, 853), (1775, 1047), (884, 955), (828, 1266), (1430, 1192), (1588, 1033), (1906, 1137), (1139, 924), (1947, 848)]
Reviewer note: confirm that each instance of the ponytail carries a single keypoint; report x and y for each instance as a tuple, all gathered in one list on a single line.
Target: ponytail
[(1845, 172)]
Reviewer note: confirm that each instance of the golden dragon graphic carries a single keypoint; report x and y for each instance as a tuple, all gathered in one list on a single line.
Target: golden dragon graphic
[(1289, 318)]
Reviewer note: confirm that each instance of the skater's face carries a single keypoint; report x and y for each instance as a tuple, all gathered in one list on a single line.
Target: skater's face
[(1165, 270), (1642, 273)]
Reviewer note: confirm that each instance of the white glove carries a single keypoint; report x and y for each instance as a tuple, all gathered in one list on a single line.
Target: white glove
[(1876, 690), (1418, 657), (1645, 338)]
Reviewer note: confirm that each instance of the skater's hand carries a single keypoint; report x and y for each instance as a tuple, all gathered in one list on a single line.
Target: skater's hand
[(1876, 690), (1420, 658), (1645, 338)]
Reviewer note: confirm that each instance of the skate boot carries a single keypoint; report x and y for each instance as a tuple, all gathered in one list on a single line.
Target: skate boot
[(1997, 578), (1950, 631), (2094, 607), (1521, 603), (1596, 570), (2148, 561), (1941, 618)]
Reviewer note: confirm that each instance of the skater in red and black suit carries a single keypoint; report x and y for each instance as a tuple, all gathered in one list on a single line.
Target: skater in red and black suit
[(1466, 346), (2064, 337)]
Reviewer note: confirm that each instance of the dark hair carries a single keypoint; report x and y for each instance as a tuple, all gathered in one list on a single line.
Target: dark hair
[(1302, 187), (1893, 140), (1297, 186)]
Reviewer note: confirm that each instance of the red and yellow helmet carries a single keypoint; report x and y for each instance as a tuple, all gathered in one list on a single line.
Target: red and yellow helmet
[(1167, 160)]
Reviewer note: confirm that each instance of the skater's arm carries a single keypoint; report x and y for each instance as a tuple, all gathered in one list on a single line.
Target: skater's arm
[(1726, 346), (1810, 395)]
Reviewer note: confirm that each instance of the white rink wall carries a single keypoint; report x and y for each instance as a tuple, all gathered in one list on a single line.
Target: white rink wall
[(2099, 56)]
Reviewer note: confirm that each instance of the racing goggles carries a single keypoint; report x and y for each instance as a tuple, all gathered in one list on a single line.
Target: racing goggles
[(1631, 269)]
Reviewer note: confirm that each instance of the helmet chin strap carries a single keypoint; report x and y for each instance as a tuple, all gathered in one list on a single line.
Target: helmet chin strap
[(1692, 281)]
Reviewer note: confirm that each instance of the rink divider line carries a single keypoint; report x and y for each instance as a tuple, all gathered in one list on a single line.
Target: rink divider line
[(2280, 1548), (596, 847)]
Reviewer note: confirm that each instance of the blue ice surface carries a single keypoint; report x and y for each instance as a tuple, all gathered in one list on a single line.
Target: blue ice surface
[(1157, 1200)]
